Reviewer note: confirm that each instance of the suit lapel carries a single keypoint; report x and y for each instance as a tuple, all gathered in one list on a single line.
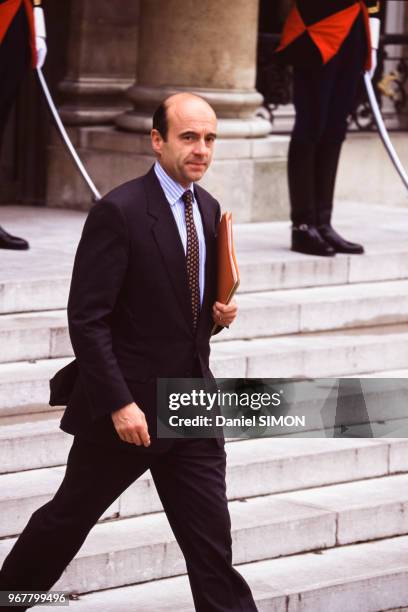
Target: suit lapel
[(167, 237)]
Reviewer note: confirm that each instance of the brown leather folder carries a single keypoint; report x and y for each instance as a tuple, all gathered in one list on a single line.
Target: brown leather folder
[(227, 273)]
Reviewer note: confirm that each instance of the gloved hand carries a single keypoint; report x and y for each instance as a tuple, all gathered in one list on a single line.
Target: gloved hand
[(375, 26), (41, 47), (40, 36)]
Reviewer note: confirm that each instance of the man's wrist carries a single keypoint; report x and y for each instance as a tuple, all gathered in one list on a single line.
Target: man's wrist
[(130, 404)]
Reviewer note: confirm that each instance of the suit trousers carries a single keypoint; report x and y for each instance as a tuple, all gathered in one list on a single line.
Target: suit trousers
[(190, 480)]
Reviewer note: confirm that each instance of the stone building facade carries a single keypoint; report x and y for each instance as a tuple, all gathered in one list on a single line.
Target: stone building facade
[(111, 62)]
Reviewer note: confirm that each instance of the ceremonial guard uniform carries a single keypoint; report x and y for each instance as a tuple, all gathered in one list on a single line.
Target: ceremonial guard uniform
[(329, 45), (22, 43)]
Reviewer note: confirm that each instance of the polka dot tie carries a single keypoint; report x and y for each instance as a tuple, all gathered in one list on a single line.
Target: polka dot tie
[(192, 256)]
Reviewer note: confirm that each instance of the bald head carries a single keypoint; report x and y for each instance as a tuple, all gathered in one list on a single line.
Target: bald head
[(179, 103), (183, 136)]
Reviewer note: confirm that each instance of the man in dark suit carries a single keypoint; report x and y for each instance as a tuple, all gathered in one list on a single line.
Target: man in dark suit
[(142, 306)]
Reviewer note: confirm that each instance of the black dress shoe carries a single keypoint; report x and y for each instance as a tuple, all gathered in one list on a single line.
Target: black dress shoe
[(306, 239), (338, 243), (7, 241)]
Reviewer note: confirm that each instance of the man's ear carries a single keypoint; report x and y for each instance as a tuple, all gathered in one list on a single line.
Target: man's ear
[(157, 141)]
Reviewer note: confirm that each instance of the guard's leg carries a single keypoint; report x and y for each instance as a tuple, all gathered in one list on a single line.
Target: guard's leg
[(14, 63), (312, 87), (349, 66)]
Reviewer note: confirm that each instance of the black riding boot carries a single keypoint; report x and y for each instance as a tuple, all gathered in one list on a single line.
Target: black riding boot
[(301, 180), (7, 241), (327, 160)]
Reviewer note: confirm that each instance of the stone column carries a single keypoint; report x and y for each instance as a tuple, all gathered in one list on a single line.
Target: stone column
[(208, 47), (102, 61)]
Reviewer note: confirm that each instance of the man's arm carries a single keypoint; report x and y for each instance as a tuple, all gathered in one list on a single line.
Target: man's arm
[(99, 269), (100, 265)]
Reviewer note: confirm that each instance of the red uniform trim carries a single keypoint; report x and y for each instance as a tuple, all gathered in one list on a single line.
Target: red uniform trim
[(327, 34), (330, 33), (294, 27), (8, 11)]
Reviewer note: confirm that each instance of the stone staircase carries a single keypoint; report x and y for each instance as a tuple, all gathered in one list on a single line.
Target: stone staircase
[(318, 524)]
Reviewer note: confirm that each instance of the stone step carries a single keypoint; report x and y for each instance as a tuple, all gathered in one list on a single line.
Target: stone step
[(293, 311), (40, 279), (34, 294), (316, 355), (255, 467), (380, 500), (143, 548), (387, 374), (263, 265), (321, 354), (263, 269), (24, 386), (33, 444), (263, 254), (40, 412), (365, 577), (36, 335), (266, 263), (34, 440), (43, 335)]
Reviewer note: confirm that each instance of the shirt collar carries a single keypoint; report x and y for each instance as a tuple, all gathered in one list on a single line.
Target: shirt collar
[(172, 190)]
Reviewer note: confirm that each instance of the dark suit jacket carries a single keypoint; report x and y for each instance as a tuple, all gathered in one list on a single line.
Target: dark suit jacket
[(129, 308)]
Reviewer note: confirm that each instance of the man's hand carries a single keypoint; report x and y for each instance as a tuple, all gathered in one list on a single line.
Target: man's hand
[(41, 47), (224, 314), (131, 426)]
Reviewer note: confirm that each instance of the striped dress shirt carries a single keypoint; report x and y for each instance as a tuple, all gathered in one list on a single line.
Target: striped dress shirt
[(173, 192)]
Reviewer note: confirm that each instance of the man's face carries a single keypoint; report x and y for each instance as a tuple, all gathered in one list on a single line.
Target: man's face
[(188, 150)]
